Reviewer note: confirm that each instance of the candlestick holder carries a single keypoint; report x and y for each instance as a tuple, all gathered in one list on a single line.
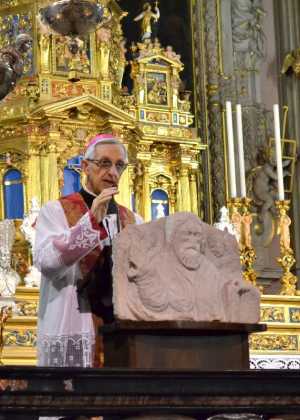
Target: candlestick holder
[(241, 218), (286, 259), (248, 255)]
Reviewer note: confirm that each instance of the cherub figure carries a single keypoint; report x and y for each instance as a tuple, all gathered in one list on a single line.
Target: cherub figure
[(147, 16), (263, 182)]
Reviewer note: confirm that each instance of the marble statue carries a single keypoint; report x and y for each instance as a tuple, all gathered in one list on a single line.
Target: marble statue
[(33, 277), (9, 279), (179, 268), (224, 222)]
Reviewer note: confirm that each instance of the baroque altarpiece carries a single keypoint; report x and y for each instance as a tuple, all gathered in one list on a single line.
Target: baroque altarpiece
[(47, 120)]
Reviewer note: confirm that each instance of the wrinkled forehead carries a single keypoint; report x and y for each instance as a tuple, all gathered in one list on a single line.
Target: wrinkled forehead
[(187, 228), (110, 151)]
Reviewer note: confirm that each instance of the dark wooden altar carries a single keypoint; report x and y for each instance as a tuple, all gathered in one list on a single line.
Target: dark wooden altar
[(178, 345)]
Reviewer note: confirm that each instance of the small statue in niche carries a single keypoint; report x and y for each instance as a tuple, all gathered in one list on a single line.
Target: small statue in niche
[(148, 17), (167, 270), (12, 63)]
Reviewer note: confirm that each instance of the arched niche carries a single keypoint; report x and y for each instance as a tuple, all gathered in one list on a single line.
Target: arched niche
[(72, 172), (159, 204), (13, 191)]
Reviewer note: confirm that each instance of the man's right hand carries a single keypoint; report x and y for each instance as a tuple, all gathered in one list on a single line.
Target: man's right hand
[(100, 203)]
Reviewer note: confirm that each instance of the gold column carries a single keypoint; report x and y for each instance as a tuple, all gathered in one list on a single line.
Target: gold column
[(184, 190), (1, 194), (124, 197), (34, 176), (53, 173), (172, 199), (45, 182), (194, 194), (146, 193)]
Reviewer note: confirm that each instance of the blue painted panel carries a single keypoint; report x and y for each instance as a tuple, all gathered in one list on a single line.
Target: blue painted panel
[(13, 195)]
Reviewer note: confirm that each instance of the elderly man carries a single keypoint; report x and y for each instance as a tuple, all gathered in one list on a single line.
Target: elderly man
[(73, 253)]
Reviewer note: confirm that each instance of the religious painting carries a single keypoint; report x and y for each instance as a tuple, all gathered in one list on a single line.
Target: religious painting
[(11, 27), (63, 59), (157, 90)]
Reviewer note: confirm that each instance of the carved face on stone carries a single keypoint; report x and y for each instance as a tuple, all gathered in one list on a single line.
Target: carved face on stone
[(216, 244), (188, 244)]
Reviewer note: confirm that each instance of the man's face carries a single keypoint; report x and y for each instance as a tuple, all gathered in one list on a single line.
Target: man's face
[(188, 245), (99, 178)]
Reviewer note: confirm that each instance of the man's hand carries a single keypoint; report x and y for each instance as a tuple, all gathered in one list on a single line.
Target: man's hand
[(100, 203)]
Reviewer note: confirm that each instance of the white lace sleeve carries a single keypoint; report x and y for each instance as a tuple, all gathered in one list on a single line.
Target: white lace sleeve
[(58, 247)]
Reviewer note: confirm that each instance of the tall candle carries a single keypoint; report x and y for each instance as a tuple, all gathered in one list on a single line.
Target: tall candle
[(230, 150), (241, 149), (278, 152)]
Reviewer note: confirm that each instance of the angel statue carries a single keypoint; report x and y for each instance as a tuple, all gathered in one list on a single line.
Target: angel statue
[(291, 62), (12, 63), (149, 20), (262, 182)]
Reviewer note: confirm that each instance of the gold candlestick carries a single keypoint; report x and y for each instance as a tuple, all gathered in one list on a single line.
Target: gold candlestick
[(241, 218), (286, 259), (248, 255)]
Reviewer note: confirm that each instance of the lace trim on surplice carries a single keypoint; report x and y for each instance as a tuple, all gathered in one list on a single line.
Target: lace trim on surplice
[(66, 351)]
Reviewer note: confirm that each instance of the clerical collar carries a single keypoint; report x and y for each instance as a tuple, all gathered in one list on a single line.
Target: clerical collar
[(88, 196)]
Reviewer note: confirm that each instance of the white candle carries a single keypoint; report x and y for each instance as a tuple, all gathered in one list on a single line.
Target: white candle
[(230, 150), (241, 149), (278, 152)]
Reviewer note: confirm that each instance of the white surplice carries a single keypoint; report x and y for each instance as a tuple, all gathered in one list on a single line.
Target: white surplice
[(66, 335)]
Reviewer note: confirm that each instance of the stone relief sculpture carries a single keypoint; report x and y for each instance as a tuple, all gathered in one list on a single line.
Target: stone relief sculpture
[(179, 268), (9, 279), (247, 31)]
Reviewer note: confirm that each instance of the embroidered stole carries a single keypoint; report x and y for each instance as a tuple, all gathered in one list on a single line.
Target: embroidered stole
[(74, 208)]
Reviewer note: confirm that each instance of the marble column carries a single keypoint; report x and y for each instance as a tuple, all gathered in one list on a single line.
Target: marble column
[(287, 20)]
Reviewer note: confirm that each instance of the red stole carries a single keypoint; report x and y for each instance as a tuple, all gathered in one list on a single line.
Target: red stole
[(75, 207)]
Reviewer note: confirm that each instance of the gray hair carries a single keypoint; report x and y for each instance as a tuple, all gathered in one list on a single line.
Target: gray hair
[(90, 152)]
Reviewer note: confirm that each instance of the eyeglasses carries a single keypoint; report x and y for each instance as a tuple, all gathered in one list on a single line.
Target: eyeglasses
[(106, 164)]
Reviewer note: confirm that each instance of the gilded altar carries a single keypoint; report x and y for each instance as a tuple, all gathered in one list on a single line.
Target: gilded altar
[(47, 120)]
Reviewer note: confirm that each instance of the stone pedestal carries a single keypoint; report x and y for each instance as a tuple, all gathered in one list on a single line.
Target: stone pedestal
[(178, 345)]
